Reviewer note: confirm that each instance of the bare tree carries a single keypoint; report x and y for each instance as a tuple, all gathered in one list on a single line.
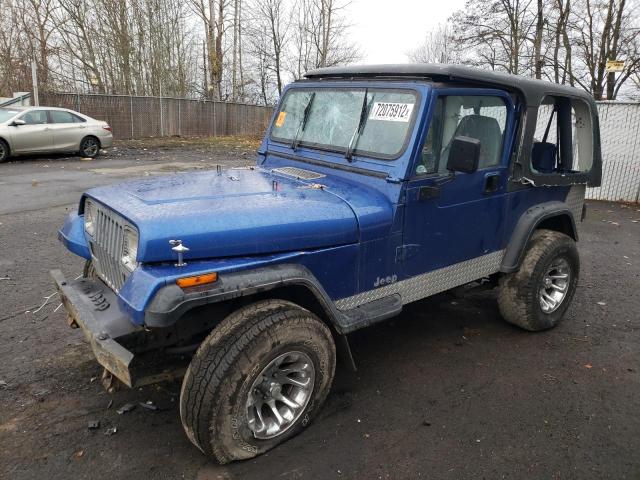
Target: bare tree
[(270, 25), (538, 60), (217, 49), (437, 47), (212, 14), (495, 33), (560, 59), (14, 57), (568, 41), (603, 33)]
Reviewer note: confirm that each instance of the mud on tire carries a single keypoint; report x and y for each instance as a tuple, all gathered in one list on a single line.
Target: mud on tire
[(519, 293), (213, 399)]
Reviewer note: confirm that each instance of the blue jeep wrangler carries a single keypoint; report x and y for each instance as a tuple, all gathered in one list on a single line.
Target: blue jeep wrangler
[(374, 187)]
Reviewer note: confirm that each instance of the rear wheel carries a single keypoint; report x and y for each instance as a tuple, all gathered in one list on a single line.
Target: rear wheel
[(4, 151), (537, 296), (257, 380), (90, 147)]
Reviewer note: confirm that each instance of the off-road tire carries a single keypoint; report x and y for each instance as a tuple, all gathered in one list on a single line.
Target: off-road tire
[(518, 296), (216, 385), (4, 151)]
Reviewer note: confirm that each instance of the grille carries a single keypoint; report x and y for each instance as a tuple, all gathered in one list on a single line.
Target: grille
[(298, 173), (106, 247)]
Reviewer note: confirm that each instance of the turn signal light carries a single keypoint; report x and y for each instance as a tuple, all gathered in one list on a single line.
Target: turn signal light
[(197, 280)]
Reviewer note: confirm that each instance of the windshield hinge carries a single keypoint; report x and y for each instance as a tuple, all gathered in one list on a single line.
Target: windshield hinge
[(392, 179)]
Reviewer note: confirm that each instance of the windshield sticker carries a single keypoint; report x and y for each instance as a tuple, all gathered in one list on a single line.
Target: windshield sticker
[(391, 112), (281, 118)]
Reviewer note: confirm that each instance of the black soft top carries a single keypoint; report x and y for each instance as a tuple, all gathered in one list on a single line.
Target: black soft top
[(532, 90)]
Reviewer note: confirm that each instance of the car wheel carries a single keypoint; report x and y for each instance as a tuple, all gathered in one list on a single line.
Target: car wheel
[(537, 296), (257, 380), (4, 151), (90, 147)]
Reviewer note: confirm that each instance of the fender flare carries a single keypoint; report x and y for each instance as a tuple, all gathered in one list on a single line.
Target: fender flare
[(172, 302), (525, 228)]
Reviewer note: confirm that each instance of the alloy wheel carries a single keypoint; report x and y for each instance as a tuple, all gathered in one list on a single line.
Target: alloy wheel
[(555, 285), (279, 394)]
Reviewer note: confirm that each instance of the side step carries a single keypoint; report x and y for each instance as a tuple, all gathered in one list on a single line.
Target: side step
[(373, 312)]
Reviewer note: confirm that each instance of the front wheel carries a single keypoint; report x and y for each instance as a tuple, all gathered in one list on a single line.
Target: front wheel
[(90, 147), (537, 296), (257, 380)]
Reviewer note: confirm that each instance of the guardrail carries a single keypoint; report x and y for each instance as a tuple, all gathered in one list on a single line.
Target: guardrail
[(19, 100)]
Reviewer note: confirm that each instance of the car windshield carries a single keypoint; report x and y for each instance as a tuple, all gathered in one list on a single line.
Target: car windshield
[(6, 114), (372, 122)]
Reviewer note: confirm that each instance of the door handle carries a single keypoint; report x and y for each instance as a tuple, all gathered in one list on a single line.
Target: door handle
[(491, 183)]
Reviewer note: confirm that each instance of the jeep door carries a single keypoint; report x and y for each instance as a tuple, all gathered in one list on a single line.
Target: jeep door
[(450, 219), (34, 136)]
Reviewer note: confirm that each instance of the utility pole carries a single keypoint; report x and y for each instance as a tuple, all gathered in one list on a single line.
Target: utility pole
[(161, 112), (34, 79)]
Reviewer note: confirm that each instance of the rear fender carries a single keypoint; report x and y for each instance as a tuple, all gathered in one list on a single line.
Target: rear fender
[(554, 215)]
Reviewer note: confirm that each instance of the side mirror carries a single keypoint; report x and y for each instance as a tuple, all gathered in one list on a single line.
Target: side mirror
[(17, 123), (464, 155)]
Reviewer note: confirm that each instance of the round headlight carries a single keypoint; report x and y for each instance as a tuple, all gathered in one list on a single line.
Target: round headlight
[(89, 218)]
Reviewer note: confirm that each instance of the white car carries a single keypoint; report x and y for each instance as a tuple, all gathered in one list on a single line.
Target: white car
[(33, 130)]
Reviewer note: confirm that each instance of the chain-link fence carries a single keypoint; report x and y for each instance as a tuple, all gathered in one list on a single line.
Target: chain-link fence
[(140, 117), (620, 137)]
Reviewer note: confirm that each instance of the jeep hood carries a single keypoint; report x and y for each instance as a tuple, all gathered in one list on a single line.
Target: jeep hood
[(230, 213)]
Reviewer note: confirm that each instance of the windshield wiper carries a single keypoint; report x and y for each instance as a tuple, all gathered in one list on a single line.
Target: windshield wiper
[(303, 124), (363, 120)]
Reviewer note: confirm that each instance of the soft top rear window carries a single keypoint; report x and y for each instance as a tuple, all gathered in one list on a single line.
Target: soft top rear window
[(372, 122)]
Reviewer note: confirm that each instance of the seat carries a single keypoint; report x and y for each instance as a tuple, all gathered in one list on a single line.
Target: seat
[(487, 130), (543, 156)]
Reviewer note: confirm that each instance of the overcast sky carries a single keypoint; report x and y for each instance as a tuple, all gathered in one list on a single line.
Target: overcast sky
[(387, 29)]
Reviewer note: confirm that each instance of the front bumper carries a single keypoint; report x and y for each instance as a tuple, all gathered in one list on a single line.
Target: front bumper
[(93, 307)]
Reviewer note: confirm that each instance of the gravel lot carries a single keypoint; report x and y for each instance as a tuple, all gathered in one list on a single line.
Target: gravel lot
[(446, 390)]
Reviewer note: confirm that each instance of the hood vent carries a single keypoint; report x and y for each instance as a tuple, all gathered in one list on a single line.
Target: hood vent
[(298, 173)]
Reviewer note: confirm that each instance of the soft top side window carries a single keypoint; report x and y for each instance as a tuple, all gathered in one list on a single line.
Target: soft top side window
[(563, 139)]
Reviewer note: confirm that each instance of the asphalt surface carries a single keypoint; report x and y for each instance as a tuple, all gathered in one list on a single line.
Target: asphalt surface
[(447, 390)]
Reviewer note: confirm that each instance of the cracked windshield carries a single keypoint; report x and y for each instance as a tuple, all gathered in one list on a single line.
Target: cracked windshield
[(366, 122)]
